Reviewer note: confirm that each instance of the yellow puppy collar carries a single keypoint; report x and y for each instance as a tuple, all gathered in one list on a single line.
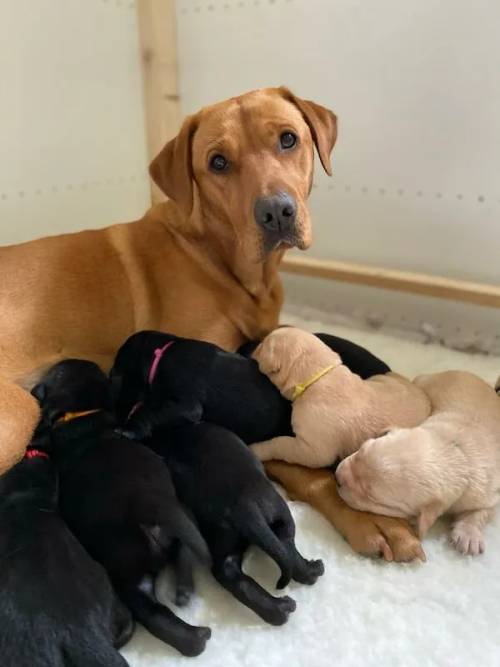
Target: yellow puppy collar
[(300, 388), (69, 416)]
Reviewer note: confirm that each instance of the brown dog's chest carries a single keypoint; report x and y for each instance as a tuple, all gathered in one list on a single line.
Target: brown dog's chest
[(81, 295), (227, 319)]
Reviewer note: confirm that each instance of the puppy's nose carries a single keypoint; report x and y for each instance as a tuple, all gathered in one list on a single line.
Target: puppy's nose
[(276, 213)]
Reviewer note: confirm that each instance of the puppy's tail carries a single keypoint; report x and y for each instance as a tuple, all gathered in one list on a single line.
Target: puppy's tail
[(181, 527), (497, 386), (254, 527), (187, 532)]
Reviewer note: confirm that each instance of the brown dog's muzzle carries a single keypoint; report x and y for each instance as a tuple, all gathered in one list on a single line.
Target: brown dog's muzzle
[(276, 216)]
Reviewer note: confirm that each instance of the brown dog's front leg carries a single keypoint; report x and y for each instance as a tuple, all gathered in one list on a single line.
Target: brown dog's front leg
[(368, 534), (19, 416)]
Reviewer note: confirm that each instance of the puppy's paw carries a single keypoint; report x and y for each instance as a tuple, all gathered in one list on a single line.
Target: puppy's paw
[(259, 450), (281, 610), (126, 433), (196, 644), (182, 596), (137, 427), (316, 569), (393, 539), (310, 572), (195, 413), (467, 539)]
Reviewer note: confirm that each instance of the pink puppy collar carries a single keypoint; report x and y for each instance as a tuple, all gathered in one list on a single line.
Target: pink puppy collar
[(158, 354)]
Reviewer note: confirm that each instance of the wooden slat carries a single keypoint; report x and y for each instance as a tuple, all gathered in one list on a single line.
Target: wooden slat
[(157, 36), (402, 281)]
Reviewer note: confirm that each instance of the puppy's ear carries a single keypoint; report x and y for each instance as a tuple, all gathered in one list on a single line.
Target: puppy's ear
[(39, 391), (257, 351), (266, 356), (322, 123), (172, 168), (427, 517)]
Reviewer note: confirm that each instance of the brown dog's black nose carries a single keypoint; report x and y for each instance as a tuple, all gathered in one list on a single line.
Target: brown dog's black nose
[(276, 213)]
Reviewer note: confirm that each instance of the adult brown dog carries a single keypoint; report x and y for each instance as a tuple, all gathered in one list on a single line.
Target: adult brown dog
[(202, 265)]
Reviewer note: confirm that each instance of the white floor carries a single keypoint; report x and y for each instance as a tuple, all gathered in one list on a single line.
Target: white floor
[(362, 613)]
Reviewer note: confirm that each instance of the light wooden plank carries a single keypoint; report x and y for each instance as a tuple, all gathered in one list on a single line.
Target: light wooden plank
[(157, 34), (480, 294)]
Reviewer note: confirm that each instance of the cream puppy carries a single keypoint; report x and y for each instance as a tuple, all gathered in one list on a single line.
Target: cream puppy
[(334, 410), (450, 464)]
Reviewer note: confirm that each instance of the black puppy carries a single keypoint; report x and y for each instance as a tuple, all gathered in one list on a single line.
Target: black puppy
[(57, 605), (118, 498), (160, 378), (225, 486)]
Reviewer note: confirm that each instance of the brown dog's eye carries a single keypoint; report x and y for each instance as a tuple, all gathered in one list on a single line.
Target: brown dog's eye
[(218, 163), (287, 140)]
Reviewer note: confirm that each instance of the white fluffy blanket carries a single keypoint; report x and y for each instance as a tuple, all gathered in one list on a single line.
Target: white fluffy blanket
[(362, 613)]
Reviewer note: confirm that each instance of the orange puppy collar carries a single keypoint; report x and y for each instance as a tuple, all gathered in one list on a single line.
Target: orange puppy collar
[(69, 416)]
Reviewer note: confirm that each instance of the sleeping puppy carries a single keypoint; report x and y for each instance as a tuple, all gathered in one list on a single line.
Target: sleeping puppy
[(450, 464), (334, 410), (119, 500), (57, 606), (358, 359), (159, 377), (236, 506)]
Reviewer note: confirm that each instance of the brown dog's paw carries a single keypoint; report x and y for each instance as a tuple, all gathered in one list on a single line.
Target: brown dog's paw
[(405, 545), (390, 538), (366, 539)]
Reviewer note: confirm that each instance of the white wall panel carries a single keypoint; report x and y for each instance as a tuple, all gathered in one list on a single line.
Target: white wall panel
[(72, 135), (416, 87)]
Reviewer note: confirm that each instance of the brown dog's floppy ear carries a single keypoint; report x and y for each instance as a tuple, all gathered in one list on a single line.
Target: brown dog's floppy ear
[(172, 168), (322, 123)]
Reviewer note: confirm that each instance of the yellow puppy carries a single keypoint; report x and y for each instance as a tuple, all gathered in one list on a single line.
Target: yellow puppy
[(448, 465), (334, 410)]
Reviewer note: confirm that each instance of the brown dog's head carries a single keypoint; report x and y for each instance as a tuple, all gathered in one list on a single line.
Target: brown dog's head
[(246, 165)]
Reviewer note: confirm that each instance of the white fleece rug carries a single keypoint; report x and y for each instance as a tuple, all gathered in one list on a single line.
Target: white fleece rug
[(361, 613)]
